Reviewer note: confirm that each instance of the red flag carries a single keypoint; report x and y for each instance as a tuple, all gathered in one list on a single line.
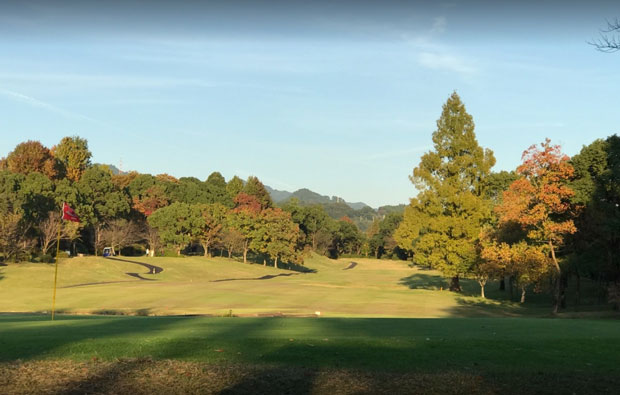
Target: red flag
[(69, 214)]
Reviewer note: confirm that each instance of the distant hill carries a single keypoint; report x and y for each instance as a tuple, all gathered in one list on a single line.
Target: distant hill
[(276, 195), (384, 210), (357, 205), (115, 170), (307, 196)]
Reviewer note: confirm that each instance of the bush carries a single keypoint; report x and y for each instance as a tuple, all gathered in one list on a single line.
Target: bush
[(46, 258), (171, 253), (62, 254), (133, 250)]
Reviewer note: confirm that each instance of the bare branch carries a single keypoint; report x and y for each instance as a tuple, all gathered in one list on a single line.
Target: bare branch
[(609, 40)]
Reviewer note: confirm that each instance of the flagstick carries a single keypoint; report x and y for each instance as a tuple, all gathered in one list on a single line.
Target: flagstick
[(56, 267)]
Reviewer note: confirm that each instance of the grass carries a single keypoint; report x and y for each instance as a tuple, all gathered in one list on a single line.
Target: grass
[(378, 332), (197, 285), (485, 353)]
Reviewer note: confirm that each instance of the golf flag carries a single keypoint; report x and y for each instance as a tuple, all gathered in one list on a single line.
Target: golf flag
[(69, 214)]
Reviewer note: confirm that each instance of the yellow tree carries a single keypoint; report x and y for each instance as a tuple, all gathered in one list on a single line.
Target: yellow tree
[(74, 154)]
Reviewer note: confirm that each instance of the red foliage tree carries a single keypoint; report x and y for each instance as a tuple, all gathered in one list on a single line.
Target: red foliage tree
[(151, 200), (245, 202), (539, 201)]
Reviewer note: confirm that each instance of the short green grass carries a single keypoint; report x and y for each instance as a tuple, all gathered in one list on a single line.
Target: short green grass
[(490, 344), (217, 286), (98, 354), (384, 327)]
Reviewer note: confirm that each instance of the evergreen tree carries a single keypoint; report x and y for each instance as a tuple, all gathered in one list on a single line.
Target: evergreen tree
[(449, 209), (234, 187), (256, 188)]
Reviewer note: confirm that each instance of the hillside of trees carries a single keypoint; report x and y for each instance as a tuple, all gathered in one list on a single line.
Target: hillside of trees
[(133, 212)]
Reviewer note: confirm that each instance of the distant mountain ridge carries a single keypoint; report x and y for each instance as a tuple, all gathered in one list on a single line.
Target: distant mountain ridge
[(310, 197)]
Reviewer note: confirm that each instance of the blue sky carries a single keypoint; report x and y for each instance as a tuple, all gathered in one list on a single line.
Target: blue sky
[(338, 97)]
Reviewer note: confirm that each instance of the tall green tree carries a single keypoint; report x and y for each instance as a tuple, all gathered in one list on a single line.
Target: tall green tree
[(254, 187), (178, 224), (234, 187), (244, 218), (216, 189), (311, 220), (73, 152), (450, 207), (596, 244), (101, 199), (276, 235), (211, 229)]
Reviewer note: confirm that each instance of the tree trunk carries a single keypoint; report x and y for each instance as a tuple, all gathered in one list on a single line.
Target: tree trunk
[(275, 262), (229, 252), (455, 285), (522, 294), (578, 291), (563, 286), (556, 296), (482, 284), (206, 248), (264, 262), (245, 252)]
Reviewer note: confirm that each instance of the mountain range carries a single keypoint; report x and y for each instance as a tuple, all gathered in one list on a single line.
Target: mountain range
[(310, 197)]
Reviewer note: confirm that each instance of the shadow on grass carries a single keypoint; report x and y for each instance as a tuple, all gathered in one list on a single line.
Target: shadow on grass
[(436, 282), (492, 308), (266, 277), (152, 268), (295, 267), (99, 283), (424, 281), (287, 355), (139, 277)]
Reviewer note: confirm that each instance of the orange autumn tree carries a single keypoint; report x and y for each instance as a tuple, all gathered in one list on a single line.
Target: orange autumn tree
[(539, 202)]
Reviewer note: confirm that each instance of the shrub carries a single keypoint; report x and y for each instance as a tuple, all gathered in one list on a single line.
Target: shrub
[(46, 258)]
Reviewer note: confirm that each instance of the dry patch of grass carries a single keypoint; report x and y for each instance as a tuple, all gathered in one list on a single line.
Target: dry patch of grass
[(145, 376)]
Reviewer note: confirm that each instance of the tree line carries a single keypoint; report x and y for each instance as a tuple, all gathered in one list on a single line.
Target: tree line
[(551, 219), (133, 212)]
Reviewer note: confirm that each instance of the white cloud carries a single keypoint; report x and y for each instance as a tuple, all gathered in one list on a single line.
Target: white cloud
[(31, 101), (446, 62)]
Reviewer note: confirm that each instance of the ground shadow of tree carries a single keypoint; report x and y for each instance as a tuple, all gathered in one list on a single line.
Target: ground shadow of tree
[(492, 308), (435, 282), (259, 259)]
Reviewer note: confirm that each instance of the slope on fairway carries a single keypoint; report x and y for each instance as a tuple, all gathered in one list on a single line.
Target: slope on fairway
[(218, 286)]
